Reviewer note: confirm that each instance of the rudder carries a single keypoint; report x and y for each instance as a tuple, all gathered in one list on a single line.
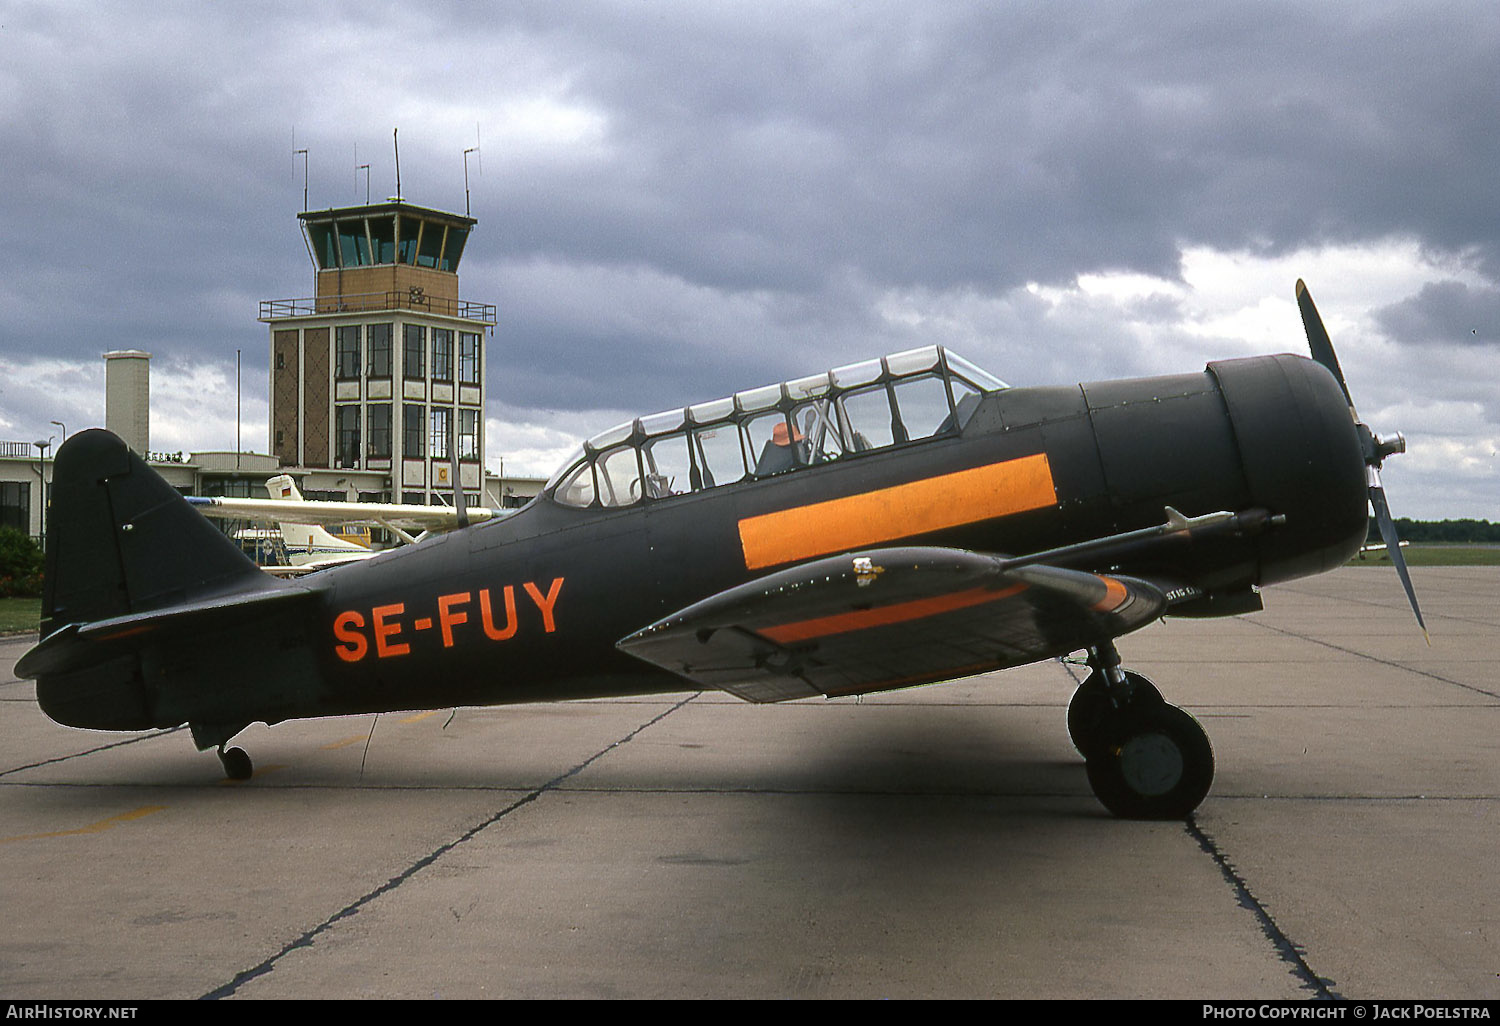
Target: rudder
[(122, 540)]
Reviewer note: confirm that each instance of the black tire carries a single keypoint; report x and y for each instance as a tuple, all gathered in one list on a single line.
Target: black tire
[(1154, 762), (1090, 708), (237, 765)]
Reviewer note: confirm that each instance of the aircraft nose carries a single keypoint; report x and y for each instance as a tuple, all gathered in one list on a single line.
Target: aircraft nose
[(1301, 456)]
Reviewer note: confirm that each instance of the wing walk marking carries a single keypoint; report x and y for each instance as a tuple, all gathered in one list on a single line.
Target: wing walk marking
[(901, 511), (900, 612)]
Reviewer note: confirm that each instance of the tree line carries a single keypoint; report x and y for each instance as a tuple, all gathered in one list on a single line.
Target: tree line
[(1416, 531)]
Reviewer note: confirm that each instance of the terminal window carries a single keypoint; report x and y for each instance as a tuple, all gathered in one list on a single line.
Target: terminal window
[(15, 504)]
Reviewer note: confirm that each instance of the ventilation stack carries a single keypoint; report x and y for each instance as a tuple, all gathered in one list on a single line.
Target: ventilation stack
[(127, 397)]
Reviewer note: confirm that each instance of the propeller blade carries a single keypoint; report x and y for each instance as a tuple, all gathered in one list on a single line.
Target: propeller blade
[(1372, 448), (1393, 545), (1318, 340)]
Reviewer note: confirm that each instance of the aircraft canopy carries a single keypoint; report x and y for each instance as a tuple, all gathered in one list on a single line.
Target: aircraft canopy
[(906, 397)]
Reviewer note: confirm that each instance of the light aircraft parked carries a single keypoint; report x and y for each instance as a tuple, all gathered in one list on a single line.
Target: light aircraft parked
[(308, 542), (892, 523), (307, 547)]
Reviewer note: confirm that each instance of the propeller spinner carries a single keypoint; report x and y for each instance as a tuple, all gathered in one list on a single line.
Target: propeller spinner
[(1374, 448)]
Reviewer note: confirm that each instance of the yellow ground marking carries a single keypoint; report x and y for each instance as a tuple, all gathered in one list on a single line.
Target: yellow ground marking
[(92, 828), (345, 743)]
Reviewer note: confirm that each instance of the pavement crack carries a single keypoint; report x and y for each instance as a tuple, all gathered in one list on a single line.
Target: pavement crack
[(1288, 951), (91, 751), (1374, 659), (307, 938)]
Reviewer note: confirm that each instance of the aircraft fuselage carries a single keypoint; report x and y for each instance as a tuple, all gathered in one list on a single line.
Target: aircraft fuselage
[(530, 608)]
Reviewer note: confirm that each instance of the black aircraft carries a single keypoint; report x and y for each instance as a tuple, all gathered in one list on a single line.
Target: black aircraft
[(892, 523)]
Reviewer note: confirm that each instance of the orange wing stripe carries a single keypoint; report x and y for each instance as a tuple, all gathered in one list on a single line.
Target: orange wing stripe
[(900, 612), (1114, 595), (931, 504)]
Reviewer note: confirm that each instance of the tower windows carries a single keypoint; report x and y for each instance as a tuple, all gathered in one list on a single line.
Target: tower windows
[(414, 351), (442, 354), (347, 433), (347, 352), (380, 350), (468, 358), (380, 431)]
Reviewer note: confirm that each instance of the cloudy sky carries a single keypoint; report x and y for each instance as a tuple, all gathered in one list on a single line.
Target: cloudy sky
[(681, 199)]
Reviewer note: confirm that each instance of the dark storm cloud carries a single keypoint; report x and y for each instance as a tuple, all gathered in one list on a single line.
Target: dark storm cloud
[(680, 199), (939, 145), (1445, 313), (955, 146), (965, 144)]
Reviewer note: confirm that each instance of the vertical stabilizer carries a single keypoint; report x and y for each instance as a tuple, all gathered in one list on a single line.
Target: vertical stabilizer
[(121, 540)]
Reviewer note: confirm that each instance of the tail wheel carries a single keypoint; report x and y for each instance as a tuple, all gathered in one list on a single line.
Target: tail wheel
[(237, 765), (1153, 761)]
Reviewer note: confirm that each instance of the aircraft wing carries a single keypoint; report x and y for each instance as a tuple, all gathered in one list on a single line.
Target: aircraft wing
[(406, 516), (889, 618), (303, 569)]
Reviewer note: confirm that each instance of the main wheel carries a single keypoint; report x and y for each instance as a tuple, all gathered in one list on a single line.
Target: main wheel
[(237, 765), (1153, 761), (1090, 708)]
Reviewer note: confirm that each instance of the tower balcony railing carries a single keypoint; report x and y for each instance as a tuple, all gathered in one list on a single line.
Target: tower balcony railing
[(367, 302)]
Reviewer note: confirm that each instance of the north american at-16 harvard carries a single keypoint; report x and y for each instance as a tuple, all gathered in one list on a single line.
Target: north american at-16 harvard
[(892, 523)]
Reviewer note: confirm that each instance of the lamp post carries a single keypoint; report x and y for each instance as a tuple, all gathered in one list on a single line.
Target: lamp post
[(41, 473)]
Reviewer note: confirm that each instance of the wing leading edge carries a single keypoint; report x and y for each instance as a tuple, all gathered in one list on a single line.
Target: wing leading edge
[(890, 618)]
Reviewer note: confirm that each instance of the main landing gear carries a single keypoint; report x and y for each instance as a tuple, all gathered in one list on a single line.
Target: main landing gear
[(1146, 759)]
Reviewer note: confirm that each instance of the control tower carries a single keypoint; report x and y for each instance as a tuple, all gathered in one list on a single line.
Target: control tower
[(382, 369)]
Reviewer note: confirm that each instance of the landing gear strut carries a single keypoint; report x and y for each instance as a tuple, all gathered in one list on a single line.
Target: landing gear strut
[(1146, 759)]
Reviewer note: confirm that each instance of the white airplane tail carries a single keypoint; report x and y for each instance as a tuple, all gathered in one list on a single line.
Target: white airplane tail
[(310, 543)]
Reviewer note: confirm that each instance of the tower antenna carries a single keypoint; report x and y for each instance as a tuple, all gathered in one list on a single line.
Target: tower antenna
[(303, 152), (479, 162), (397, 144), (472, 149)]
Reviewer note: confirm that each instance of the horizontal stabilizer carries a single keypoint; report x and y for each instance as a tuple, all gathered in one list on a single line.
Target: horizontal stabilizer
[(76, 645)]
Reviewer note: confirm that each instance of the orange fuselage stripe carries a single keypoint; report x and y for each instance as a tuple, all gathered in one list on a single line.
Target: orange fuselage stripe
[(902, 511), (898, 612)]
